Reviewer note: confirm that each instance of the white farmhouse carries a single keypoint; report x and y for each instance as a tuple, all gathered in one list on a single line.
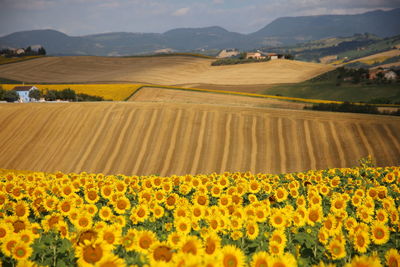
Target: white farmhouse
[(23, 92)]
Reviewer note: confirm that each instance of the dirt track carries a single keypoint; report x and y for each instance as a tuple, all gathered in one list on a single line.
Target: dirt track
[(174, 70), (165, 139)]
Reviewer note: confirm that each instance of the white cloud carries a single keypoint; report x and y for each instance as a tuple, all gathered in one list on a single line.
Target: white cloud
[(181, 12)]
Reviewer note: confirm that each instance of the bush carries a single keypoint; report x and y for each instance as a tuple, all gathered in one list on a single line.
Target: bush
[(352, 108)]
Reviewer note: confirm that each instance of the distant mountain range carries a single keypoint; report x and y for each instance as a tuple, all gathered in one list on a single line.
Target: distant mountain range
[(281, 32)]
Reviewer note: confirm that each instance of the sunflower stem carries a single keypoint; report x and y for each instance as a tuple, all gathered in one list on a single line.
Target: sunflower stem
[(55, 255)]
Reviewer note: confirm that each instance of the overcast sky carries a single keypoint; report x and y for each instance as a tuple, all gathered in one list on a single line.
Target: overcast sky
[(81, 17)]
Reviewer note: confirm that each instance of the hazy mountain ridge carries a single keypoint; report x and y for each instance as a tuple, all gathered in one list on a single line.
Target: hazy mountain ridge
[(280, 32)]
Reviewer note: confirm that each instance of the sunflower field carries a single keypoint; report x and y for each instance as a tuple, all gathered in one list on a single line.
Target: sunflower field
[(334, 217)]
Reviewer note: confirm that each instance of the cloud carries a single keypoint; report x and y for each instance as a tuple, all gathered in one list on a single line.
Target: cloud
[(181, 12), (218, 1), (28, 4)]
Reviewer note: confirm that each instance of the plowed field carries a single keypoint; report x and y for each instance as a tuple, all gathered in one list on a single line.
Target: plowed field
[(174, 70), (165, 139)]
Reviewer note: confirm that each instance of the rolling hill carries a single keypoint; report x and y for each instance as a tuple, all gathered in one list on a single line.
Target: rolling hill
[(169, 138), (171, 70), (282, 31)]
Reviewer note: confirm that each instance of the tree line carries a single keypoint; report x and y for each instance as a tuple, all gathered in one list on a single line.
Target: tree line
[(7, 52), (350, 107), (50, 95)]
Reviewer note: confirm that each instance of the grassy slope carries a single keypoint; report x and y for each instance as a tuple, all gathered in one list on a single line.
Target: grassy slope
[(324, 87), (344, 92)]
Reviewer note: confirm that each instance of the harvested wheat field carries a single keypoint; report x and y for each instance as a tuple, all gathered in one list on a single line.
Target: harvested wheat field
[(154, 94), (174, 70), (166, 139)]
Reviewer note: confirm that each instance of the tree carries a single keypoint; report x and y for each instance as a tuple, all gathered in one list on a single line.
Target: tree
[(11, 96), (51, 95), (41, 51), (2, 93), (35, 94), (68, 94)]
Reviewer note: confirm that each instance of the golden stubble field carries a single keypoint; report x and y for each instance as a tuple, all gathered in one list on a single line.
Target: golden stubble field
[(169, 138), (174, 70)]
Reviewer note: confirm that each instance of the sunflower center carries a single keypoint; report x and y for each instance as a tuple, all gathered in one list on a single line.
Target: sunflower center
[(109, 237), (261, 263), (162, 253), (20, 252), (210, 247), (92, 254), (145, 242), (189, 247), (379, 233), (230, 261)]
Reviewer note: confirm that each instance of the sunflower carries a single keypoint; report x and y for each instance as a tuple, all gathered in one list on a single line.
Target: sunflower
[(6, 230), (191, 245), (111, 260), (361, 261), (83, 222), (121, 205), (379, 233), (158, 211), (160, 252), (65, 207), (232, 257), (171, 201), (281, 194), (91, 209), (175, 239), (284, 260), (278, 219), (261, 259), (144, 239), (261, 214), (314, 214), (337, 249), (200, 199), (392, 258), (279, 237), (356, 200), (381, 216), (338, 204), (67, 190), (50, 203), (8, 245), (106, 191), (92, 252), (301, 201), (183, 226), (361, 241), (252, 230), (254, 187), (21, 251), (21, 209), (26, 236), (330, 223), (212, 243), (111, 235), (275, 248), (159, 196), (105, 213), (323, 236), (140, 213)]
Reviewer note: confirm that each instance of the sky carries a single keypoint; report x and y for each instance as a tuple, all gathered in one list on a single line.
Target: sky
[(83, 17)]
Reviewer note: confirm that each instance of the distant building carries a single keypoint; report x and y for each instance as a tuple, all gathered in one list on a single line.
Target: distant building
[(255, 55), (20, 51), (23, 93), (225, 53), (273, 56), (386, 73), (390, 75)]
